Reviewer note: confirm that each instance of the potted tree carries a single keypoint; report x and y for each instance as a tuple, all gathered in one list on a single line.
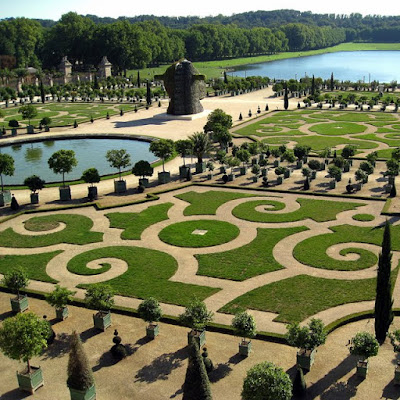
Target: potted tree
[(335, 173), (21, 338), (119, 159), (361, 177), (46, 121), (16, 280), (279, 171), (244, 325), (315, 166), (80, 380), (91, 175), (372, 157), (395, 341), (196, 317), (59, 299), (255, 170), (301, 152), (276, 154), (163, 148), (34, 183), (306, 339), (150, 311), (368, 168), (232, 163), (221, 158), (28, 112), (210, 167), (184, 148), (202, 146), (6, 168), (364, 345), (100, 298), (143, 168), (244, 156), (349, 151), (62, 162)]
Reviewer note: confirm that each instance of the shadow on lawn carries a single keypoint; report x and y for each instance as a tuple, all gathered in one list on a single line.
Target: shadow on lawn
[(161, 367)]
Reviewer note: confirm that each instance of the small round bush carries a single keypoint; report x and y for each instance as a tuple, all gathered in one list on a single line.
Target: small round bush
[(365, 345), (13, 123), (149, 310)]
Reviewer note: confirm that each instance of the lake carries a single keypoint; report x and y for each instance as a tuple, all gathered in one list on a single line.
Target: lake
[(367, 66), (31, 158)]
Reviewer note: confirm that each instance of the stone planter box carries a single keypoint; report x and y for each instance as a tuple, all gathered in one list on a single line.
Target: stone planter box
[(47, 129), (313, 174), (397, 375), (5, 198), (89, 394), (299, 164), (305, 358), (144, 182), (231, 177), (245, 348), (200, 167), (65, 193), (254, 161), (34, 198), (276, 163), (243, 170), (62, 313), (92, 192), (14, 132), (19, 304), (120, 186), (210, 175), (279, 180), (29, 129), (222, 170), (183, 171), (255, 179), (30, 382), (362, 368), (102, 320), (346, 168), (332, 184), (198, 336), (164, 177), (264, 172), (287, 173), (152, 331)]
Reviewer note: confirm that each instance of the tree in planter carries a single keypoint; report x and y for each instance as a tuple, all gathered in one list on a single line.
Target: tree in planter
[(372, 157), (16, 280), (349, 151), (142, 168), (80, 376), (335, 172), (301, 151), (162, 148), (34, 183), (197, 384), (364, 345), (367, 167), (266, 381), (150, 311), (255, 170), (101, 298), (222, 135), (279, 171), (383, 300), (326, 153), (6, 167), (244, 156), (62, 162), (244, 325), (184, 148), (201, 145), (59, 299), (196, 316), (307, 339), (21, 338), (45, 121), (118, 159), (232, 163), (288, 156), (28, 112), (215, 118), (221, 158), (92, 176), (276, 153)]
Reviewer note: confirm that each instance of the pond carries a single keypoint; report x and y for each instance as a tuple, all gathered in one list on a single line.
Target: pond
[(366, 66), (31, 158)]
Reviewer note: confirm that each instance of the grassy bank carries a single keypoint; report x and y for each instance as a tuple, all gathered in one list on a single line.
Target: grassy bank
[(214, 69)]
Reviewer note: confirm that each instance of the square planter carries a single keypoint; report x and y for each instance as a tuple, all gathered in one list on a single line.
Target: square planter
[(254, 161), (305, 358), (183, 171), (29, 129), (34, 198), (397, 375), (65, 193), (346, 168), (362, 368), (19, 304), (279, 180), (89, 394), (210, 175), (14, 132), (243, 170), (144, 182), (276, 163), (92, 192), (255, 179), (62, 313), (287, 173), (245, 348), (164, 177), (299, 164), (47, 129), (5, 198), (120, 186), (102, 320), (152, 331), (313, 174), (332, 184), (30, 382), (222, 170), (200, 167), (231, 177), (199, 336), (264, 172)]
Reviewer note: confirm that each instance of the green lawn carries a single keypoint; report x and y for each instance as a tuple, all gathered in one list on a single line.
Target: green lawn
[(363, 217), (318, 210), (250, 260), (147, 275), (77, 231), (181, 234), (300, 297), (34, 265), (134, 224), (337, 128), (207, 203), (312, 251)]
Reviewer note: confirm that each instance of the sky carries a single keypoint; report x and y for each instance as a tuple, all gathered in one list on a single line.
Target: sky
[(53, 9)]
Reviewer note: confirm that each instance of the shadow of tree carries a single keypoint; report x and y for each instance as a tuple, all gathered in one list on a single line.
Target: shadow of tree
[(339, 391), (15, 394), (390, 391), (224, 369), (89, 333), (6, 315), (58, 348), (162, 366)]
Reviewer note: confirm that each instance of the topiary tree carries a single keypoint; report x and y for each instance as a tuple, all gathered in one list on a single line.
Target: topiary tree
[(184, 148), (28, 112), (197, 384), (196, 316), (364, 345), (315, 165), (91, 175), (244, 325), (80, 376), (243, 155), (59, 297), (266, 381), (307, 337), (34, 183), (62, 162), (162, 148), (46, 121), (217, 118), (6, 167), (150, 311), (288, 156), (13, 123), (23, 337), (349, 151), (118, 159), (142, 168), (300, 151), (15, 280), (367, 167), (361, 176), (335, 172), (372, 157), (100, 298)]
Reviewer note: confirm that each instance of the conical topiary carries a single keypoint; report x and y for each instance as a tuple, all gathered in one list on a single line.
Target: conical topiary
[(80, 375)]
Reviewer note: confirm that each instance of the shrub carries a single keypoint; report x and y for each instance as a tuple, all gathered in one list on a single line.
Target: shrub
[(367, 167), (266, 381), (34, 183), (196, 315), (99, 297), (315, 165), (244, 325), (306, 172), (335, 172), (118, 159), (364, 345), (91, 176), (15, 280), (149, 310), (13, 123), (46, 121), (280, 170), (349, 151), (307, 337), (59, 297)]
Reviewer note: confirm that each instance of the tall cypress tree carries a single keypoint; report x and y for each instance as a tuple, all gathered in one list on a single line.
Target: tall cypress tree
[(138, 79), (197, 385), (384, 301), (313, 86), (286, 99), (332, 82), (42, 94), (225, 78), (148, 93)]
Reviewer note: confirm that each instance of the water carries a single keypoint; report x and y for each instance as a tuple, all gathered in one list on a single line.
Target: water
[(31, 158), (382, 66)]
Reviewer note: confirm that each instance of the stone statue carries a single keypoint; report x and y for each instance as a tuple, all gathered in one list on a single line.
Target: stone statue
[(185, 87)]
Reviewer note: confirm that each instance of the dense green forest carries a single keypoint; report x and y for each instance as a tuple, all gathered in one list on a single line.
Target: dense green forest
[(147, 40)]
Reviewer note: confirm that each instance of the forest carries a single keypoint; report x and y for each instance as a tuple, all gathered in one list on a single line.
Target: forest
[(148, 41)]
